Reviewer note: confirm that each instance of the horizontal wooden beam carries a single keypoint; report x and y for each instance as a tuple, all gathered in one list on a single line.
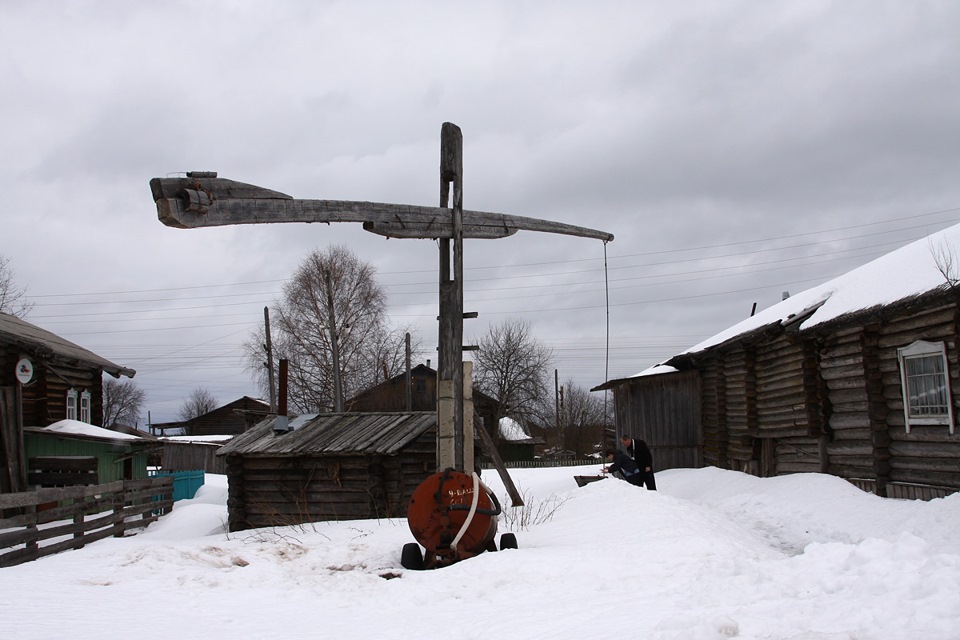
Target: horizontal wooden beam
[(190, 203), (435, 229)]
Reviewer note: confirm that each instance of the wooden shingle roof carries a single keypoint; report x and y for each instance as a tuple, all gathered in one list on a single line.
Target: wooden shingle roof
[(334, 433), (41, 342)]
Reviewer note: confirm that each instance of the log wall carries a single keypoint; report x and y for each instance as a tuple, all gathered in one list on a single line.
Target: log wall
[(45, 399), (266, 491), (713, 415), (928, 455), (740, 406), (832, 402)]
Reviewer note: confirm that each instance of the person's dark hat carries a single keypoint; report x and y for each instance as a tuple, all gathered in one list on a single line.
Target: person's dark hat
[(610, 452)]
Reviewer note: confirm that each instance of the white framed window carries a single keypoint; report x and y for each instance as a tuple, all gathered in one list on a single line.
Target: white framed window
[(72, 404), (85, 407), (925, 380)]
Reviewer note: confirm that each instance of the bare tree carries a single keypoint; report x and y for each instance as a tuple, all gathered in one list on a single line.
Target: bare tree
[(946, 260), (332, 309), (512, 366), (199, 402), (122, 402), (12, 297)]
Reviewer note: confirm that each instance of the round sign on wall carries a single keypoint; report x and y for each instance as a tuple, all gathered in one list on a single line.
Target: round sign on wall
[(24, 370)]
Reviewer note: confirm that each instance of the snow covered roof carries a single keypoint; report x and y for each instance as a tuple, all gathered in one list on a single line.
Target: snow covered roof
[(656, 370), (77, 428), (511, 430), (899, 275), (195, 439), (21, 332)]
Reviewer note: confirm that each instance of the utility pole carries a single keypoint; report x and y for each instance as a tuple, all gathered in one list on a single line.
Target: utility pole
[(268, 345)]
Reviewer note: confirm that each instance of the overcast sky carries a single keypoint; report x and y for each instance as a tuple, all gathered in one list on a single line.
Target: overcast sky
[(736, 150)]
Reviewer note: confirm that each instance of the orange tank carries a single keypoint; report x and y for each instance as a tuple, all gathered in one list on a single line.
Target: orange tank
[(453, 516)]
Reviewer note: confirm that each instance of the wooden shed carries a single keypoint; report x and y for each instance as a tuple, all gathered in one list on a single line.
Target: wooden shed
[(189, 453), (857, 377), (662, 407), (230, 419), (514, 443), (339, 466)]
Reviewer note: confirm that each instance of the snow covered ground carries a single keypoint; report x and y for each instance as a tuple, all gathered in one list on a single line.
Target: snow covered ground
[(713, 554)]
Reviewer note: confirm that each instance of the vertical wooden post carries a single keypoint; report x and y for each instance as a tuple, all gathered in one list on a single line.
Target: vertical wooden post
[(450, 420)]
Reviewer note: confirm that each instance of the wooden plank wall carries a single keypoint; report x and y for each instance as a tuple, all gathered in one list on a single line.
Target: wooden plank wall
[(110, 456), (664, 411), (187, 456)]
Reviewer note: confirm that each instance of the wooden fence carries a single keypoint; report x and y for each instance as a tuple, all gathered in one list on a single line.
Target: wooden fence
[(187, 456), (185, 483), (40, 523)]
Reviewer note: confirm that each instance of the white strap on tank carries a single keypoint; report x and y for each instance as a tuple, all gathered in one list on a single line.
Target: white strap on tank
[(473, 511)]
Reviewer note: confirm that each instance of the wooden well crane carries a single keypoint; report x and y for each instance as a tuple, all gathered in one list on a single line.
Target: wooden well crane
[(203, 199)]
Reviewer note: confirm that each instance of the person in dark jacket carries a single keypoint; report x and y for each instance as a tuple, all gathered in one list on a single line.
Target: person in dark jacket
[(625, 465), (640, 453)]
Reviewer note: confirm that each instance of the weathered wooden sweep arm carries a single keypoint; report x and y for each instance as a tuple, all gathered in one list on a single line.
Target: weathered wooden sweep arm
[(203, 200)]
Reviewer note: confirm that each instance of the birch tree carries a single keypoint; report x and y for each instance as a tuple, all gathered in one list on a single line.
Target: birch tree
[(331, 309), (512, 366)]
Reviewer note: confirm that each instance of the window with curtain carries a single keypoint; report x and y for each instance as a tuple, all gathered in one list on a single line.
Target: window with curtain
[(925, 379)]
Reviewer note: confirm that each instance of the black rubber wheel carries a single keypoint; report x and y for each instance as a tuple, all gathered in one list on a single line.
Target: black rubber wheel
[(508, 541), (411, 557)]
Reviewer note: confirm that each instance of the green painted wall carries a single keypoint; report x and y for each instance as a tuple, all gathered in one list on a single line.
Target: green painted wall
[(109, 456)]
